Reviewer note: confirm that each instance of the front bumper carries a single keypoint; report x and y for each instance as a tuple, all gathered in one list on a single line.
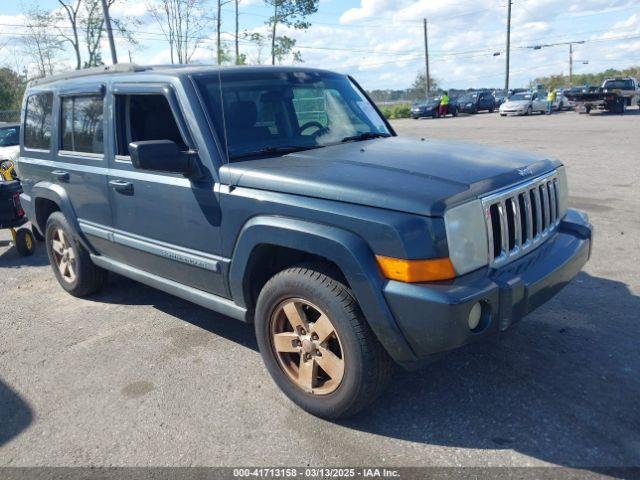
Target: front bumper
[(512, 113), (434, 317)]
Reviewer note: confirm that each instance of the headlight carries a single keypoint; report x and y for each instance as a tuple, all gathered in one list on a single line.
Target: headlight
[(467, 237), (563, 193)]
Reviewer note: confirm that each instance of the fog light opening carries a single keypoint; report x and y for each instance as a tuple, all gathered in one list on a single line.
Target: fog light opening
[(479, 317)]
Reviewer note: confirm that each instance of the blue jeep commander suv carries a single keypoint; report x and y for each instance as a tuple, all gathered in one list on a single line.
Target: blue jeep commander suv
[(282, 197)]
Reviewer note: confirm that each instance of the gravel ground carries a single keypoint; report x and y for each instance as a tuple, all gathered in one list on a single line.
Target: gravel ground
[(136, 377)]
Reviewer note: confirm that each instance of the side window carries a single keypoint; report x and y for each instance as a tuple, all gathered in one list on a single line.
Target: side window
[(37, 123), (145, 117), (82, 125)]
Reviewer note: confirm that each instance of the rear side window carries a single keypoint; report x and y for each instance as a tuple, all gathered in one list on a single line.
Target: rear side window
[(145, 117), (37, 123), (82, 125)]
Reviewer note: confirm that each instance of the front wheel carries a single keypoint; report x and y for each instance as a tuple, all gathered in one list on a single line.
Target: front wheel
[(529, 111), (317, 345)]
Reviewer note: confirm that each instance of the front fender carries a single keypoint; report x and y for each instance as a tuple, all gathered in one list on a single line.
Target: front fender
[(348, 251)]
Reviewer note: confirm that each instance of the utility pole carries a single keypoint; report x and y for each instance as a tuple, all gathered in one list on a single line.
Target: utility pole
[(506, 78), (571, 44), (426, 57), (571, 64), (107, 22)]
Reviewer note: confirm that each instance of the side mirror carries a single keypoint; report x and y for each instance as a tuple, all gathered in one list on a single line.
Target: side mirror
[(161, 156)]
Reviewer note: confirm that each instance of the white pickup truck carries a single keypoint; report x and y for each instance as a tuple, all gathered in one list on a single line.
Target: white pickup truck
[(615, 95)]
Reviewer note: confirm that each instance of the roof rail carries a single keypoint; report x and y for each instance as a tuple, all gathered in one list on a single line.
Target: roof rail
[(87, 72)]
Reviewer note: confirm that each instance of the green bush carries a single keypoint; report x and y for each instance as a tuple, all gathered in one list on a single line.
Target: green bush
[(396, 111)]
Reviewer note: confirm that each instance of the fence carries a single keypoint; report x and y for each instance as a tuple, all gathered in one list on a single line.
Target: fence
[(9, 116)]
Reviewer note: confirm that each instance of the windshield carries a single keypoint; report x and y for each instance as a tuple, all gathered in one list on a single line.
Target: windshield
[(269, 113), (619, 84), (9, 136), (469, 97), (518, 97)]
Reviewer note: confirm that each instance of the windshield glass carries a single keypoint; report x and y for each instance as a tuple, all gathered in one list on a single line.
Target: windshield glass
[(619, 84), (520, 96), (9, 136), (469, 97), (270, 113)]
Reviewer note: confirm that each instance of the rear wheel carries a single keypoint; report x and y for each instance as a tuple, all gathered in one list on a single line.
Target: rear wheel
[(38, 236), (317, 345), (71, 263)]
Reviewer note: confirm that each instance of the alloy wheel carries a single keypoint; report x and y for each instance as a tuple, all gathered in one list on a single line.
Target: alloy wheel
[(63, 255), (307, 346)]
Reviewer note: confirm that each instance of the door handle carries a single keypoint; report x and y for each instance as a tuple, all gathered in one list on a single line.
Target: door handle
[(61, 175), (121, 186)]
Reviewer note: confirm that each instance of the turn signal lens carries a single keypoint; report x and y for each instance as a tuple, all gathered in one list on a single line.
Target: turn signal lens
[(414, 271)]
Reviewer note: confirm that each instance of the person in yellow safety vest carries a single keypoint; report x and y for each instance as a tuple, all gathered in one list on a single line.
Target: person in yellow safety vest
[(551, 99), (444, 104)]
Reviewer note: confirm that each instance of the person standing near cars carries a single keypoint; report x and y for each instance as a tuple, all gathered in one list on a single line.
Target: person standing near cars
[(551, 99), (444, 104)]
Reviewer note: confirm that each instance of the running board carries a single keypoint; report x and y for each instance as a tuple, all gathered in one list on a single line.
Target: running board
[(204, 299)]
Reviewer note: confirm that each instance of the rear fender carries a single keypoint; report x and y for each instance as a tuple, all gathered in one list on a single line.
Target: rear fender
[(58, 195)]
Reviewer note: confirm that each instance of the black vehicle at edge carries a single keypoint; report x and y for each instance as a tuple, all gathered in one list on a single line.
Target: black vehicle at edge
[(281, 197), (430, 109)]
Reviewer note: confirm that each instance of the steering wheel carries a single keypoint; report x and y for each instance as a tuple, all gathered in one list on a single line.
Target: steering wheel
[(321, 128)]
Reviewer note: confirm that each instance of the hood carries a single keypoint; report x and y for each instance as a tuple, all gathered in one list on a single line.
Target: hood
[(516, 103), (413, 176)]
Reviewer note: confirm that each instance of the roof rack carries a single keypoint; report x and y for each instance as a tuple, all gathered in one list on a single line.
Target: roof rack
[(87, 72)]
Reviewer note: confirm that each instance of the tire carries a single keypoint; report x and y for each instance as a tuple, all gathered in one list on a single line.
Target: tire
[(25, 242), (365, 366), (529, 111), (69, 260)]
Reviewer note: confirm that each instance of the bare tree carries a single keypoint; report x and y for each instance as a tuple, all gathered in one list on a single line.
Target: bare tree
[(71, 10), (41, 45), (182, 23), (220, 51)]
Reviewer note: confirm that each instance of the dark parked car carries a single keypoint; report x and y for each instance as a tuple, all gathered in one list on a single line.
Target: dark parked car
[(430, 108), (280, 196), (476, 102)]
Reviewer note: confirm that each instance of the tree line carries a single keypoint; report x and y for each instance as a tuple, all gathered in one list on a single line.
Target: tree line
[(589, 79), (77, 27)]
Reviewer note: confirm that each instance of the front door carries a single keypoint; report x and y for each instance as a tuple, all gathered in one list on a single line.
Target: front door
[(164, 223)]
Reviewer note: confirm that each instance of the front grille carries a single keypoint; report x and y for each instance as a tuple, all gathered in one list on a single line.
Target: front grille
[(521, 218)]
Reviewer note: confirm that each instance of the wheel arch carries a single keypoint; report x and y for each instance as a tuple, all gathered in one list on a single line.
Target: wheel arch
[(49, 197), (341, 249)]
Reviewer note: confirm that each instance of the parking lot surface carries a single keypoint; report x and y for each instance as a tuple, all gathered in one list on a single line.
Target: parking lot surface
[(133, 376)]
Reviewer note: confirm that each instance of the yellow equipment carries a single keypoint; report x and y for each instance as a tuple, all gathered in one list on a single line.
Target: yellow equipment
[(11, 213)]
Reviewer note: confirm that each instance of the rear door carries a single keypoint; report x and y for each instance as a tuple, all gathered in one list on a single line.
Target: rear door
[(62, 143), (164, 223)]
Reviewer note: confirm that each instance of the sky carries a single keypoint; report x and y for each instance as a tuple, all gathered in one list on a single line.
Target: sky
[(381, 42)]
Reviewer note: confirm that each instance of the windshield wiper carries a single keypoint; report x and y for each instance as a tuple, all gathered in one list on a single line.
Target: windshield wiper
[(283, 150), (365, 136)]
